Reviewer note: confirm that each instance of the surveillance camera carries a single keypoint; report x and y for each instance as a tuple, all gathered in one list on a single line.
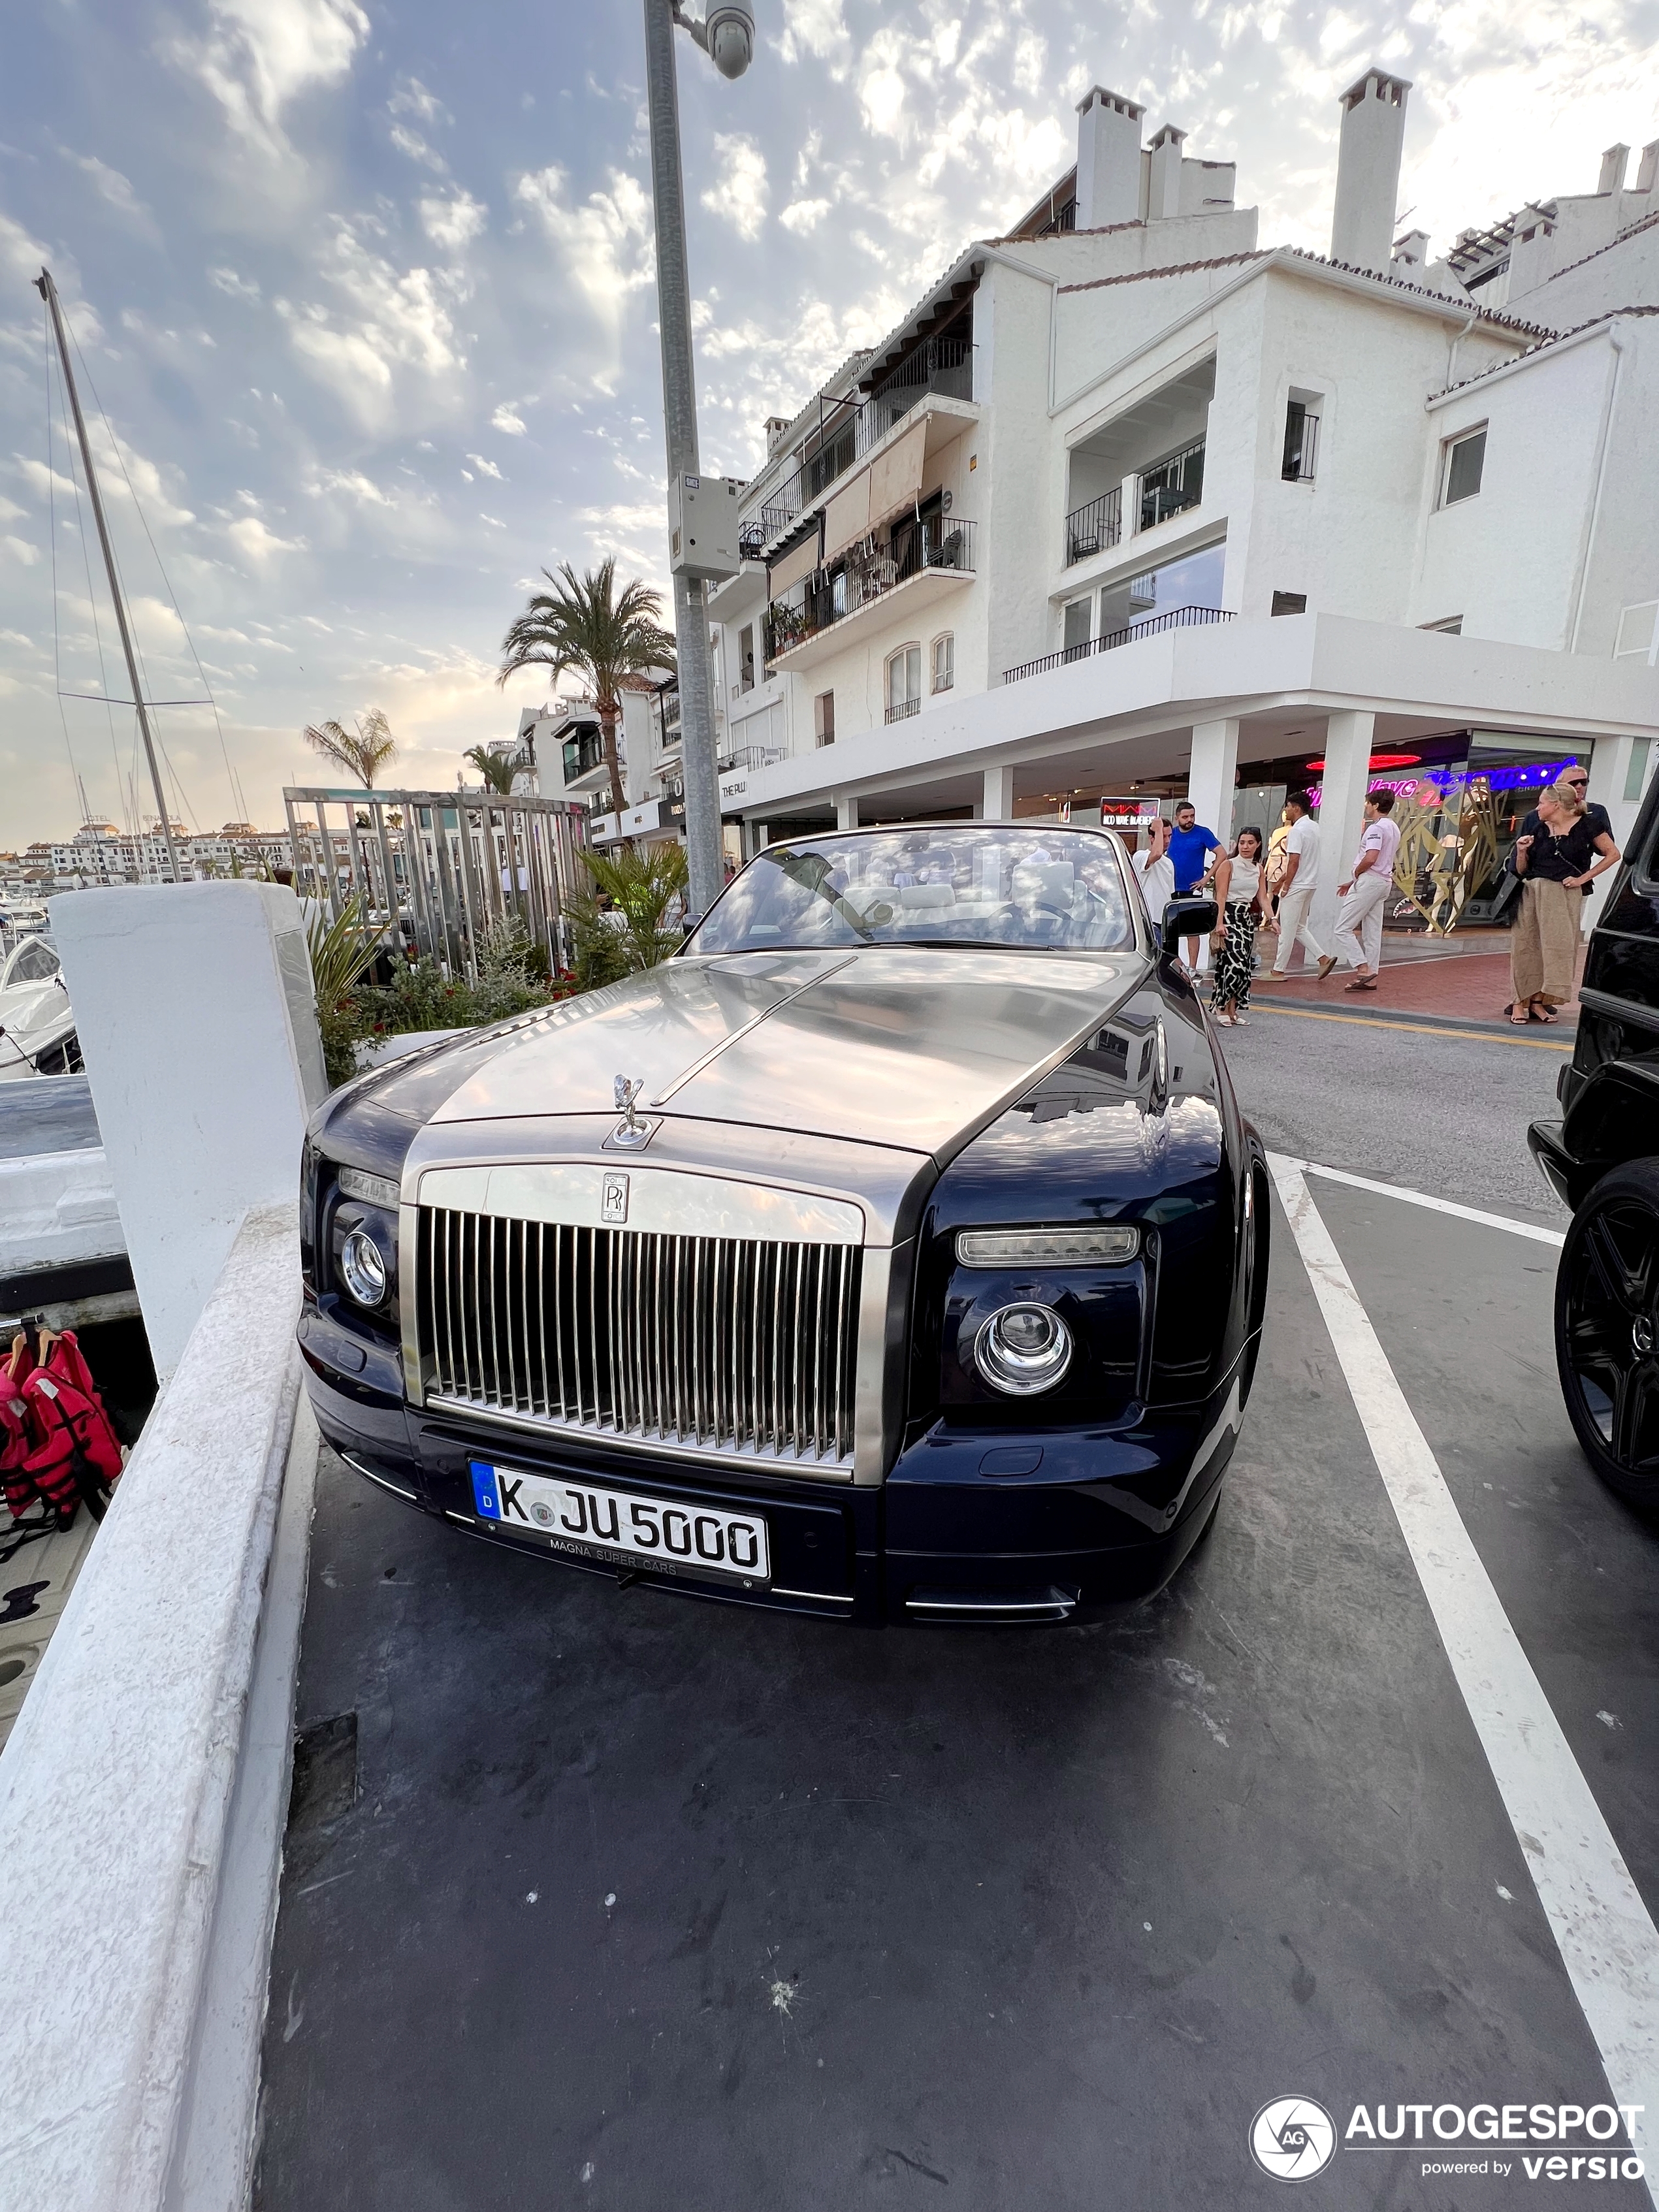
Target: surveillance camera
[(729, 29)]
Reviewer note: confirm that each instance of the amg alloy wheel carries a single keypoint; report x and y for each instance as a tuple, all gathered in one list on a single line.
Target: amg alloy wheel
[(1606, 1329)]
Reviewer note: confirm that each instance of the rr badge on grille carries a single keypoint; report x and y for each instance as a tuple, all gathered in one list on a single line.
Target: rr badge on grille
[(613, 1206)]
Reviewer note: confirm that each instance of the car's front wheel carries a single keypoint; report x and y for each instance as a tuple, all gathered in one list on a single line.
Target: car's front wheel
[(1606, 1329)]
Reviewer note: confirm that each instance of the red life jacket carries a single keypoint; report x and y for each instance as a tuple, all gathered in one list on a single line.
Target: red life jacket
[(17, 1441), (56, 1440)]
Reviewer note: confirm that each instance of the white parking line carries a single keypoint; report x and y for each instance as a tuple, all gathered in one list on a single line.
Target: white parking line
[(1539, 1234), (1607, 1940)]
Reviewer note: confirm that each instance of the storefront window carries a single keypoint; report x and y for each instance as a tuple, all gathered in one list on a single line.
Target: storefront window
[(1459, 802)]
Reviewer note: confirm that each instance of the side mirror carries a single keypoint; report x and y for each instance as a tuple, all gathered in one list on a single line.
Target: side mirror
[(691, 922), (1186, 917)]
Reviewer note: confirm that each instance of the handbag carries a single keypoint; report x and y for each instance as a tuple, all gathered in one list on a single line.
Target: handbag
[(1508, 885)]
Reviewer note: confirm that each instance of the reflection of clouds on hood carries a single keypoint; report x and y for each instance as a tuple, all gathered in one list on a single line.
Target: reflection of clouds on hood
[(331, 286)]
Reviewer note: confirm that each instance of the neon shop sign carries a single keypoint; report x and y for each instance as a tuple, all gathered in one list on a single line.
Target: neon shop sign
[(1534, 775)]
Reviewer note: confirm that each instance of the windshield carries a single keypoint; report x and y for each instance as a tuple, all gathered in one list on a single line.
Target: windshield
[(1032, 889), (33, 961)]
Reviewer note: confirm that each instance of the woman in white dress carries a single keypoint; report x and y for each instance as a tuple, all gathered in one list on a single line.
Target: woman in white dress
[(1239, 894)]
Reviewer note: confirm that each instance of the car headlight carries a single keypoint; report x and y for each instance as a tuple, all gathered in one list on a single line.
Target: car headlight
[(372, 1189), (1109, 1244), (363, 1269), (1022, 1349)]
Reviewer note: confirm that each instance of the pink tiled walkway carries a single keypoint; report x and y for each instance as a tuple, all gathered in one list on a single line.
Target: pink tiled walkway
[(1459, 983)]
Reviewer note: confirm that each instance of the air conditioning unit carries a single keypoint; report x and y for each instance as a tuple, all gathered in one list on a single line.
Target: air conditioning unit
[(702, 527)]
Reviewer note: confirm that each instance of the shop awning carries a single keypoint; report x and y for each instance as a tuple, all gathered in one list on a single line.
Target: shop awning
[(799, 561), (896, 475), (847, 518)]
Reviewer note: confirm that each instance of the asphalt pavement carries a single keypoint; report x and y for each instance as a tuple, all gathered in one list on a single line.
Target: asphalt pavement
[(1443, 1110), (600, 1898)]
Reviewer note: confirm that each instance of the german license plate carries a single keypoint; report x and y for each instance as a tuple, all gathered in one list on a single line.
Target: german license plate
[(623, 1528)]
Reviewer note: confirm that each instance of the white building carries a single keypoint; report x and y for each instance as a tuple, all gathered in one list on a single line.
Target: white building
[(563, 748), (1129, 502), (100, 853)]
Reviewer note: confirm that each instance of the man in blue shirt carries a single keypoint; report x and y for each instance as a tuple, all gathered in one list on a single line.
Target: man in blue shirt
[(1190, 848)]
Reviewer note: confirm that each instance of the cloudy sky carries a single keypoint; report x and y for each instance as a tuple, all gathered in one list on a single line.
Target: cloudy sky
[(365, 293)]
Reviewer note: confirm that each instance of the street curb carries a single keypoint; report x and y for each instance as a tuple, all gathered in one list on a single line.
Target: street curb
[(1468, 1024)]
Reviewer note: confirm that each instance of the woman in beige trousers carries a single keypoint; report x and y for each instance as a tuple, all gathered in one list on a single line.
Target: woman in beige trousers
[(1554, 861)]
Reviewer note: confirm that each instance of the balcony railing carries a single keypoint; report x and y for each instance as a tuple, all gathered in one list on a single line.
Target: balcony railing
[(1301, 444), (1173, 486), (748, 757), (1095, 527), (943, 366), (869, 573), (902, 709), (1177, 618), (1063, 218)]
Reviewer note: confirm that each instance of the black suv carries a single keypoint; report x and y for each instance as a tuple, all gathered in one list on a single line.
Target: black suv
[(1602, 1158)]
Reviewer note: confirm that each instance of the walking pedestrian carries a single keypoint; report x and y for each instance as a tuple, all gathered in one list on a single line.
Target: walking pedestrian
[(1276, 837), (1297, 882), (1153, 867), (1238, 893), (1554, 862), (1190, 848), (1358, 933)]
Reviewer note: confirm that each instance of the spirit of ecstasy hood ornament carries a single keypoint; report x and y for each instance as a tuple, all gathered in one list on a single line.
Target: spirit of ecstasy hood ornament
[(630, 1134)]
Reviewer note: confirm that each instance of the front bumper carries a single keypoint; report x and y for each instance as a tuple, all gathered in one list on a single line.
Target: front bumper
[(975, 1528)]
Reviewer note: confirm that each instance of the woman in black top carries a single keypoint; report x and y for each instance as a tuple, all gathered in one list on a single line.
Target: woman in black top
[(1553, 861)]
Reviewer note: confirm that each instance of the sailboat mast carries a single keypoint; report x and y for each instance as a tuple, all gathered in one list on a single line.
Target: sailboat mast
[(48, 291)]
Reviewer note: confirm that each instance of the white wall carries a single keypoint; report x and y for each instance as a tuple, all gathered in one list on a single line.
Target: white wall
[(1622, 562), (1350, 540), (1507, 559), (1626, 274), (193, 1004)]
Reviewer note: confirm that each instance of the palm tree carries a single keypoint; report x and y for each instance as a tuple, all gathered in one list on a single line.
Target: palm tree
[(362, 752), (494, 765), (587, 624), (642, 884)]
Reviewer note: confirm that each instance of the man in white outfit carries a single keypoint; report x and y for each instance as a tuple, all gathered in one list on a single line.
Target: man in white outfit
[(1155, 869), (1296, 889), (1358, 934)]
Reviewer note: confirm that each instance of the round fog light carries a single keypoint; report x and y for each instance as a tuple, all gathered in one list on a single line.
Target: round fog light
[(361, 1268), (1024, 1349)]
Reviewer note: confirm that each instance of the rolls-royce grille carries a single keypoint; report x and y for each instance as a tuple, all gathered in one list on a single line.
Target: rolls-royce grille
[(716, 1344)]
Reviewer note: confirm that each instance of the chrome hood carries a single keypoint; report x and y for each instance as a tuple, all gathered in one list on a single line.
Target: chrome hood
[(890, 1045)]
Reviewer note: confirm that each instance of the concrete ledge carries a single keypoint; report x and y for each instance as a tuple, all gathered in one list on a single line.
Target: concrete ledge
[(117, 1786)]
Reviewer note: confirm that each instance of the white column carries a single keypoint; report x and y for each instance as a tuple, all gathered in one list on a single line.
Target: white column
[(847, 810), (194, 1008), (1213, 774), (1348, 740), (999, 802), (1129, 511)]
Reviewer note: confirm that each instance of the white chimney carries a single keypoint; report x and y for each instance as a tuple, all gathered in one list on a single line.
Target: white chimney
[(1108, 160), (1648, 166), (1614, 163), (1368, 170), (1411, 256), (1164, 194)]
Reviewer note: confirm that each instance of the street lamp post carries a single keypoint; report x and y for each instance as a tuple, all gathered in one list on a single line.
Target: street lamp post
[(726, 33)]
